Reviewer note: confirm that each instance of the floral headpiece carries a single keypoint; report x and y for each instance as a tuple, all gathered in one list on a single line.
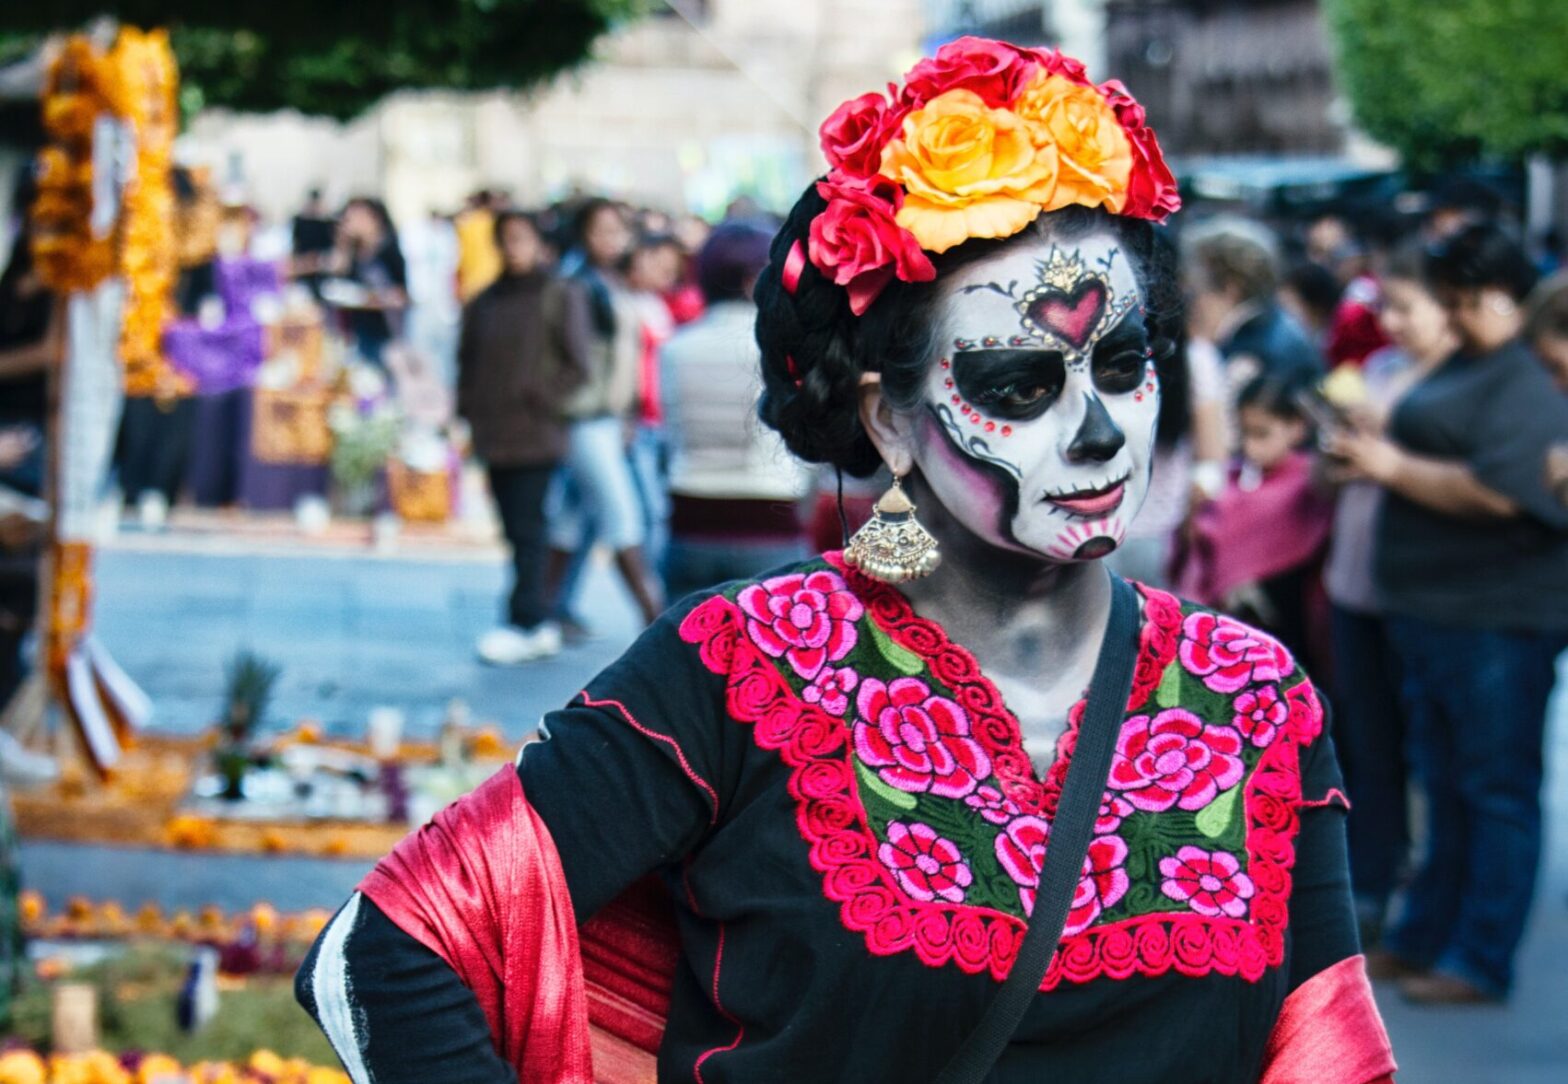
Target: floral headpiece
[(977, 142)]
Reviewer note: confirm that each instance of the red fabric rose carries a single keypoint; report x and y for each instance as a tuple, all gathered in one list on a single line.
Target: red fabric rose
[(1174, 759), (918, 741), (994, 70), (806, 618), (1151, 190), (857, 243), (854, 135)]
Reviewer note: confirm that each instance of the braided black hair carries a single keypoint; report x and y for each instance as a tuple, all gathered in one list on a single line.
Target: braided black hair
[(815, 350)]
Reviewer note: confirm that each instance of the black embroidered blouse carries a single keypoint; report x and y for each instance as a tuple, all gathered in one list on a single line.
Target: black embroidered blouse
[(839, 801)]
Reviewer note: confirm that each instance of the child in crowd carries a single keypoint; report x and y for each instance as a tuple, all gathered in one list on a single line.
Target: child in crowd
[(1256, 550)]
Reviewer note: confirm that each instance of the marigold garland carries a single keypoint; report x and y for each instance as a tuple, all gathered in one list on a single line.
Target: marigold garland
[(102, 1067), (148, 256), (85, 918), (135, 81), (67, 253)]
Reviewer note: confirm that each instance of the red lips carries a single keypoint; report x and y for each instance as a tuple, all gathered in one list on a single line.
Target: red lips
[(1093, 504)]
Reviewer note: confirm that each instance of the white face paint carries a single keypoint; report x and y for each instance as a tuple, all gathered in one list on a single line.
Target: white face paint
[(1041, 409)]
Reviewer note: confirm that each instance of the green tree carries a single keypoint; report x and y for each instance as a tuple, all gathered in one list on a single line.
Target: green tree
[(336, 59), (1446, 81)]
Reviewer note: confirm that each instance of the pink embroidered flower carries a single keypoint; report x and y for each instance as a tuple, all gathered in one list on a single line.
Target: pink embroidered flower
[(992, 805), (1113, 810), (1021, 851), (1260, 712), (807, 618), (919, 741), (831, 689), (1228, 655), (1174, 759), (1211, 882), (927, 866)]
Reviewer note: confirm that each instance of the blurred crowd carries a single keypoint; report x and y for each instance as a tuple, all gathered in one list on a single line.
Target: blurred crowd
[(1362, 448)]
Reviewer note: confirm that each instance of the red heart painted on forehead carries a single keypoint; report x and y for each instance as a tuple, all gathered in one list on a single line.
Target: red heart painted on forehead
[(1073, 316)]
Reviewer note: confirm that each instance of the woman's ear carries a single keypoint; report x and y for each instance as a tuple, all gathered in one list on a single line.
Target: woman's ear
[(890, 429)]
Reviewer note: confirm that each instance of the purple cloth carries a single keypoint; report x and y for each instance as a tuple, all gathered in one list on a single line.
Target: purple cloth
[(241, 280), (273, 486), (218, 359), (217, 453)]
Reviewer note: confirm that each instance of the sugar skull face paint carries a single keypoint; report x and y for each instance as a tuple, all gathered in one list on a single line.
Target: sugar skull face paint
[(1041, 410)]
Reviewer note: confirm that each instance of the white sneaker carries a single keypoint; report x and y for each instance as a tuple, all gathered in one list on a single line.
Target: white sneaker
[(547, 639), (508, 645)]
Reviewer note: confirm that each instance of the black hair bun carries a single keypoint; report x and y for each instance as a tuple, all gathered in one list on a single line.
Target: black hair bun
[(810, 376)]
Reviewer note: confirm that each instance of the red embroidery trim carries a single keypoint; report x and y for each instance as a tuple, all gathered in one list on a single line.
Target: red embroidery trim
[(831, 820), (1335, 796), (718, 961), (713, 795)]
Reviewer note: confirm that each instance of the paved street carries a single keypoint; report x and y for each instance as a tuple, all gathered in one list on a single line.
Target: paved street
[(353, 632)]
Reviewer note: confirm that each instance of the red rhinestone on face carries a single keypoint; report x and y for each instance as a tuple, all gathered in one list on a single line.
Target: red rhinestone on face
[(946, 364), (974, 419), (1138, 395), (948, 382), (955, 399), (990, 427), (1007, 430)]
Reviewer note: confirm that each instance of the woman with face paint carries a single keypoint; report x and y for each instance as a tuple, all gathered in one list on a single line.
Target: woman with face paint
[(846, 772)]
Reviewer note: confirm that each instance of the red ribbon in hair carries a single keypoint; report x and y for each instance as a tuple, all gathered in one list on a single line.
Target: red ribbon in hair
[(794, 264)]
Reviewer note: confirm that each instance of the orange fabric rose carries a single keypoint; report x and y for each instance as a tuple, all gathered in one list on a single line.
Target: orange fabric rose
[(1093, 151), (968, 171)]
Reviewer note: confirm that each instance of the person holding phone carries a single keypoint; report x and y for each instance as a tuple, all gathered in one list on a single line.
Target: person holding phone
[(1472, 568), (1369, 712)]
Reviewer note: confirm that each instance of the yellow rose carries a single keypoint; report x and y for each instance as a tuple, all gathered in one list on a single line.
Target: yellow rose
[(1093, 150), (967, 171)]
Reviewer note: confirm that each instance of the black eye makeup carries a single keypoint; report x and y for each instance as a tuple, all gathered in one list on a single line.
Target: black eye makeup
[(1120, 358), (1017, 385)]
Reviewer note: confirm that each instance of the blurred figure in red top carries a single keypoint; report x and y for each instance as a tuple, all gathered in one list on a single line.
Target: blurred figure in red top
[(652, 270), (1352, 251)]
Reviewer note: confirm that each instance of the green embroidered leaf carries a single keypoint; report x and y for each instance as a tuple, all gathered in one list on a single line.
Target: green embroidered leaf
[(1168, 694), (900, 659), (870, 781), (1214, 818)]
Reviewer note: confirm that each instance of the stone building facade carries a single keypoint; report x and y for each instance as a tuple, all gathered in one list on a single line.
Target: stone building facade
[(684, 109), (1229, 77)]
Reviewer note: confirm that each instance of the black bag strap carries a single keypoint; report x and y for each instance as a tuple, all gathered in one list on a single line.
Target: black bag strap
[(1071, 832)]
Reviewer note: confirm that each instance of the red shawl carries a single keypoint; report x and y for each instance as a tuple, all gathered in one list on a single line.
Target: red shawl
[(481, 886)]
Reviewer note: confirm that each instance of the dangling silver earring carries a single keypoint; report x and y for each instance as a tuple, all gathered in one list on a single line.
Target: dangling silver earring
[(893, 546)]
